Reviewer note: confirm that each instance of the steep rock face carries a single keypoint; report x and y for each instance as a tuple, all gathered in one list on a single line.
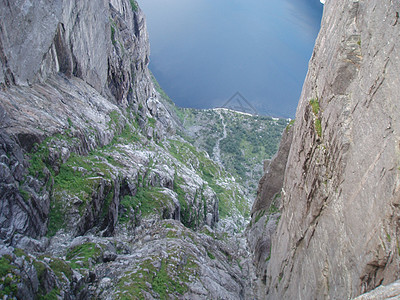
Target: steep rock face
[(339, 232), (105, 43)]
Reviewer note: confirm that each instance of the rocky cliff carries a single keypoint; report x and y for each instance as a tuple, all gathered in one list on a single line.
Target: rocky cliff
[(338, 235), (68, 68)]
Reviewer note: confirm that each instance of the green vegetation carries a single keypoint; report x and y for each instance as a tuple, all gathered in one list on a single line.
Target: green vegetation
[(168, 226), (315, 106), (52, 295), (41, 271), (168, 279), (134, 5), (25, 194), (8, 280), (113, 41), (273, 209), (5, 265), (259, 215), (318, 127), (60, 267), (114, 122), (147, 200), (19, 252), (249, 140), (316, 109), (160, 90), (128, 135), (185, 210), (210, 255), (40, 268), (163, 94), (86, 254), (152, 122), (389, 239), (78, 177), (211, 173), (290, 125), (37, 163)]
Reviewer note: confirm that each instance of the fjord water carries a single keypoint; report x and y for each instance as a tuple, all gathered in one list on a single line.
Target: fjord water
[(203, 51)]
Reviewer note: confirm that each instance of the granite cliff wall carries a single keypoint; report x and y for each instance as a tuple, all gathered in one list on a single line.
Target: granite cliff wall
[(338, 235), (105, 43)]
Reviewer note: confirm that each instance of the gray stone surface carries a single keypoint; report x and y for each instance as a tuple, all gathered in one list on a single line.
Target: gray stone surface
[(390, 291), (214, 268), (338, 234)]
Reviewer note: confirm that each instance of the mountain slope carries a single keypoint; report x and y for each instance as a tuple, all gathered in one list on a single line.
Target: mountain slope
[(98, 196), (239, 142)]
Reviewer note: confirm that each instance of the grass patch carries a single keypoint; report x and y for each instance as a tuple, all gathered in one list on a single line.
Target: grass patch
[(169, 279), (134, 5), (113, 41), (152, 122), (8, 280), (60, 267), (316, 109), (52, 295), (259, 216), (210, 255), (25, 194), (79, 177), (5, 265), (148, 200), (19, 252), (114, 122), (290, 125), (318, 126), (315, 106), (185, 215), (86, 254), (273, 209)]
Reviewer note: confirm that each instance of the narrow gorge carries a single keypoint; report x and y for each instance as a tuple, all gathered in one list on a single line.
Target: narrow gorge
[(110, 191)]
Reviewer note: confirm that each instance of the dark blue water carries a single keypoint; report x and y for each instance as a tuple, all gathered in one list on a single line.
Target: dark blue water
[(203, 51)]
